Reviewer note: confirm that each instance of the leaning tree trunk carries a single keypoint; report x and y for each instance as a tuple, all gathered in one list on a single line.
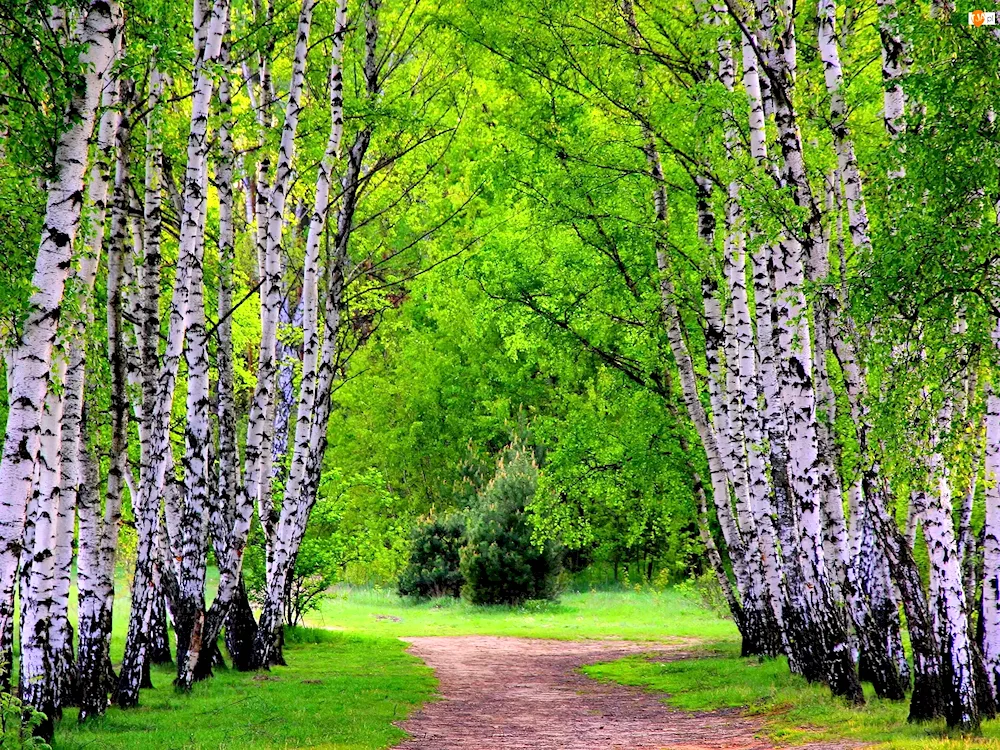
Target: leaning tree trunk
[(223, 512), (260, 423), (33, 352), (760, 637), (239, 620), (310, 438), (926, 699), (871, 602), (714, 558), (797, 631), (98, 530), (47, 673), (990, 614), (872, 606), (157, 407), (742, 386), (718, 477), (828, 647), (773, 415), (313, 410)]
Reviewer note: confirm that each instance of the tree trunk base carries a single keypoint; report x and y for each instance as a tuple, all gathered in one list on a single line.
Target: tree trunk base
[(158, 647), (926, 700), (241, 630)]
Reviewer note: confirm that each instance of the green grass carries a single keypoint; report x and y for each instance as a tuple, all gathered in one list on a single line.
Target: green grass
[(793, 711), (349, 677), (633, 615), (339, 690)]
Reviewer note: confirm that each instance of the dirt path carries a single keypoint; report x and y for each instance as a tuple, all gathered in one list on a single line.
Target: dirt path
[(525, 694)]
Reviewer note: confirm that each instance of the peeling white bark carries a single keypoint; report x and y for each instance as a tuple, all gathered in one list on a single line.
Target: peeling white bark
[(156, 451), (32, 356), (947, 583), (991, 535)]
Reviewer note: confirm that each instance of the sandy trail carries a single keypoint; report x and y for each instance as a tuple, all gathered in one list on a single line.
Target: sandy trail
[(526, 694)]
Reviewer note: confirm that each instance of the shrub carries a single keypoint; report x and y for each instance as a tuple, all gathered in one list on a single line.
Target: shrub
[(315, 572), (433, 569), (705, 589), (501, 563), (18, 724)]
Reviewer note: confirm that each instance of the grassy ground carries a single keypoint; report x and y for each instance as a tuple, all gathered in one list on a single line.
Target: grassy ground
[(792, 711), (642, 616), (339, 690), (349, 678), (346, 685)]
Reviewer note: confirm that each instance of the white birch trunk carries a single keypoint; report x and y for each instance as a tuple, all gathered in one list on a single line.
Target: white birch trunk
[(895, 63), (189, 615), (261, 417), (98, 532), (773, 414), (967, 547), (156, 451), (256, 487), (300, 494), (223, 511), (36, 673), (847, 164), (32, 357), (744, 408), (828, 644), (961, 707), (991, 537)]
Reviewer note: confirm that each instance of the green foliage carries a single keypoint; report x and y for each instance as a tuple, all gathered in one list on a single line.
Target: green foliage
[(616, 489), (501, 563), (17, 725), (433, 569), (365, 525), (315, 571), (705, 589), (358, 532)]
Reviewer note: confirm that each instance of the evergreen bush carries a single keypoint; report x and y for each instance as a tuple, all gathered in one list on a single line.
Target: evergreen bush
[(500, 562), (433, 569)]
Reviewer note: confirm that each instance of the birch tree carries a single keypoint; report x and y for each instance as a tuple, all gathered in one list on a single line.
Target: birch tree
[(157, 406), (32, 358)]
